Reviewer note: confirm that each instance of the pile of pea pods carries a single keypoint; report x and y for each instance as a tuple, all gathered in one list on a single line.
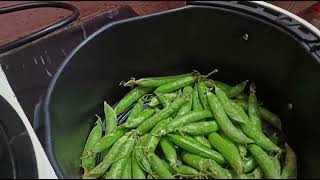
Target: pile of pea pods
[(192, 127)]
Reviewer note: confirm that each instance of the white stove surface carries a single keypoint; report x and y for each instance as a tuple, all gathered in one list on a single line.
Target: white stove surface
[(45, 169)]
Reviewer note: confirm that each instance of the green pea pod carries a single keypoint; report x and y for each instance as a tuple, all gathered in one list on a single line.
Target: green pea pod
[(205, 165), (257, 136), (202, 140), (127, 173), (119, 150), (227, 106), (256, 174), (136, 121), (111, 118), (186, 107), (202, 91), (158, 166), (170, 168), (193, 146), (153, 138), (88, 163), (108, 140), (117, 169), (149, 123), (196, 104), (265, 114), (154, 102), (184, 170), (264, 161), (187, 118), (166, 98), (228, 150), (276, 162), (249, 164), (155, 81), (253, 109), (134, 95), (237, 89), (137, 108), (224, 123), (169, 151), (139, 154), (290, 164), (175, 85), (200, 128), (137, 171)]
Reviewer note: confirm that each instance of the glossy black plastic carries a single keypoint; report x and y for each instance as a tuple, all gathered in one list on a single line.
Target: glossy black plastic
[(203, 37)]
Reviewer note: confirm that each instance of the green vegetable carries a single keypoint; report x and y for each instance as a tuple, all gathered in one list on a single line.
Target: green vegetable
[(169, 151), (186, 107), (140, 118), (117, 169), (200, 128), (127, 173), (137, 108), (175, 85), (111, 118), (196, 104), (202, 140), (249, 164), (158, 166), (202, 91), (253, 110), (137, 171)]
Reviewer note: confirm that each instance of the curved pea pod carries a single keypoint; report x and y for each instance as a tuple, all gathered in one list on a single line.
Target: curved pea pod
[(203, 164), (117, 169), (253, 109), (111, 118), (153, 138), (108, 140), (227, 106), (202, 140), (249, 164), (187, 118), (200, 128), (137, 108), (224, 123), (169, 151), (290, 164), (264, 161), (137, 171), (228, 150), (175, 85), (257, 136), (127, 172), (237, 89), (186, 107), (136, 121), (88, 163), (191, 145), (134, 95), (155, 81), (149, 123), (158, 166), (196, 104), (119, 150), (202, 91), (184, 170)]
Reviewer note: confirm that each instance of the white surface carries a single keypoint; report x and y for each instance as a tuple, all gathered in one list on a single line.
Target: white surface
[(44, 168)]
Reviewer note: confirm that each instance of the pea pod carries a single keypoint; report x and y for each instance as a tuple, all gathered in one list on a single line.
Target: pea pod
[(237, 89), (163, 99), (155, 81), (186, 107), (227, 106), (166, 164), (153, 139), (264, 162), (202, 140), (137, 108), (127, 173), (117, 169), (137, 171), (212, 83), (175, 85), (184, 170), (251, 131), (200, 128), (203, 164), (228, 150), (290, 164), (134, 95), (158, 166), (149, 123), (187, 118), (249, 164), (88, 163), (202, 91), (196, 104), (136, 121), (108, 140), (111, 118), (139, 155), (224, 123), (191, 145), (253, 110), (169, 151), (119, 150)]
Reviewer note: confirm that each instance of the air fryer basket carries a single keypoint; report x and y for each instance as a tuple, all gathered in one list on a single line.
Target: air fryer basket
[(243, 40)]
